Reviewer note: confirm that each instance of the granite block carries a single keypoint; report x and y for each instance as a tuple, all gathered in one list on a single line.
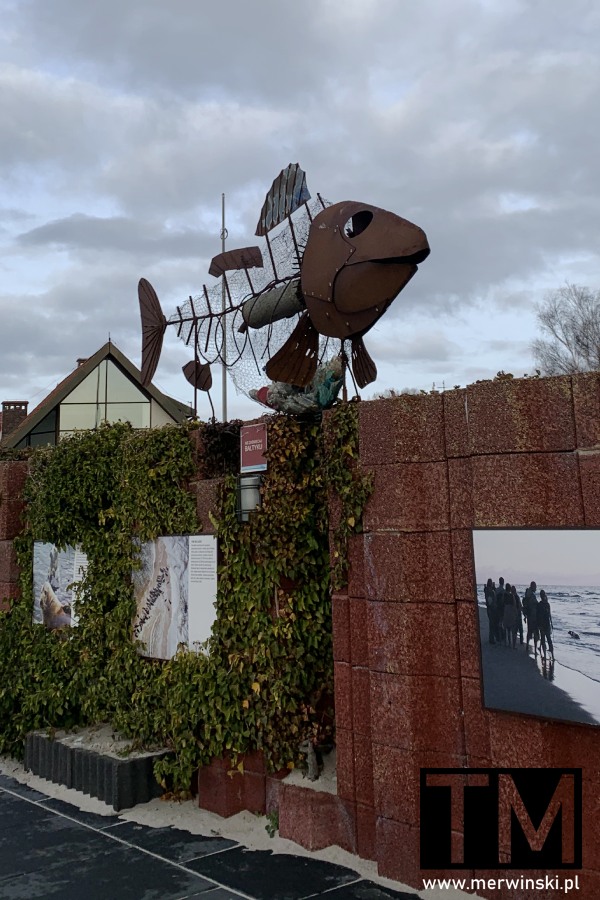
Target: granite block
[(409, 497), (527, 490), (413, 638), (344, 741), (340, 617), (511, 415), (421, 712), (342, 674), (409, 567)]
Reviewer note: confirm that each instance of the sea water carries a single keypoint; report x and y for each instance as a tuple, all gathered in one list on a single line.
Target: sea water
[(573, 609)]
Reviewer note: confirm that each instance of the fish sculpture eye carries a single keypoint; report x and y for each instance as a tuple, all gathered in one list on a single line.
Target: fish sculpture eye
[(358, 223)]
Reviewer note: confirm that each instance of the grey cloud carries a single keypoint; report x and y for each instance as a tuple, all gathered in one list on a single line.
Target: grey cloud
[(116, 235), (124, 123)]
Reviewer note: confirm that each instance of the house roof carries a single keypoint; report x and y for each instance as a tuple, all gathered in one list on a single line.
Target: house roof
[(178, 411)]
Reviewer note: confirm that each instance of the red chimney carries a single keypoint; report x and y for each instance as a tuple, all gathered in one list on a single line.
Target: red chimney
[(13, 413)]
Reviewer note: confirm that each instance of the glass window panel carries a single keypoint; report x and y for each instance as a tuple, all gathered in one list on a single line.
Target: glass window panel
[(39, 439), (80, 415), (136, 413), (91, 388), (159, 416), (48, 424), (121, 389)]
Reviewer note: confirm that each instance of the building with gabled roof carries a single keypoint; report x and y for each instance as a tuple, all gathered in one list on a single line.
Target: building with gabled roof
[(106, 387)]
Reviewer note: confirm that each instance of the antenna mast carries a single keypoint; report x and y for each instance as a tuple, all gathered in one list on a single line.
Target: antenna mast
[(224, 357)]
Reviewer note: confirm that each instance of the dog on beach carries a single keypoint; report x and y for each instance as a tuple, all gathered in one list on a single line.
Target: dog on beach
[(574, 635), (53, 612)]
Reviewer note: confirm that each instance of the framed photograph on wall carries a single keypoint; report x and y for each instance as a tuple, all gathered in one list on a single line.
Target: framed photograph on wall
[(175, 591), (56, 574), (538, 601)]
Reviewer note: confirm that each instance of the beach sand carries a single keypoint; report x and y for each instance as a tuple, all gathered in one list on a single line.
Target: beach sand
[(513, 680)]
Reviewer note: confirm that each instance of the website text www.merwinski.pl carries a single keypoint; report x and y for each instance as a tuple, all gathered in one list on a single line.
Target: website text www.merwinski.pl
[(521, 882)]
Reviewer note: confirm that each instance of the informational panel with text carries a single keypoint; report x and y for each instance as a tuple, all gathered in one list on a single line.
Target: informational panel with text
[(175, 591)]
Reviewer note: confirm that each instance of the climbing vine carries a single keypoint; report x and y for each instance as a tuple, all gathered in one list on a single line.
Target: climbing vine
[(349, 487), (266, 683)]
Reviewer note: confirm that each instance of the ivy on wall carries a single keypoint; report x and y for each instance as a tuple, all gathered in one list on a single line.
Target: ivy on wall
[(267, 682)]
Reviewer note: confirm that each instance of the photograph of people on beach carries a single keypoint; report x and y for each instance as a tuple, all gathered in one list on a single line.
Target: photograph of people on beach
[(538, 597)]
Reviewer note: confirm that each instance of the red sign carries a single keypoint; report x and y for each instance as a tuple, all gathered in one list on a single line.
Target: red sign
[(253, 444)]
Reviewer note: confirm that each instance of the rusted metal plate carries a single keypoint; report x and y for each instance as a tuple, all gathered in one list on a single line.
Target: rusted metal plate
[(357, 260), (370, 285), (287, 193), (153, 328), (296, 362), (363, 367), (198, 374), (244, 258)]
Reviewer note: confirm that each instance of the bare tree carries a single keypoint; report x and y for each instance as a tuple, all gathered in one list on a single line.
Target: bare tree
[(569, 318)]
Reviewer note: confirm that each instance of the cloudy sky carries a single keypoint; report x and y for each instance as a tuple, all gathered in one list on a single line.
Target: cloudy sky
[(548, 557), (124, 122)]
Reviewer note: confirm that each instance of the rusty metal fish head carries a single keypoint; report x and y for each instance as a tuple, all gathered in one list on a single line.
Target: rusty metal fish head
[(357, 260)]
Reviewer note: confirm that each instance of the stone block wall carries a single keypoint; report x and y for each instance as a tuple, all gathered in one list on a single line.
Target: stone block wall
[(507, 453)]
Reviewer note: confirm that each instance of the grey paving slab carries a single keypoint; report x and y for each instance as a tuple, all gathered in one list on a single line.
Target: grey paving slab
[(119, 873), (267, 876), (11, 810), (40, 840), (81, 815), (49, 848), (217, 894), (368, 890), (22, 789), (171, 843)]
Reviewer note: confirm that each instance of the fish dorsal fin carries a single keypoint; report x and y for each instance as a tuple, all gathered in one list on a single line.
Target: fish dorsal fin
[(288, 192), (244, 258)]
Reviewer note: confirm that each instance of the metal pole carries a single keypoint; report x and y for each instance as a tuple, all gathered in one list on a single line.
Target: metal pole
[(196, 361), (224, 324)]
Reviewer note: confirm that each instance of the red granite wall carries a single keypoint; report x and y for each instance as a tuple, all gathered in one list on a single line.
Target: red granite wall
[(12, 480), (406, 645), (508, 453)]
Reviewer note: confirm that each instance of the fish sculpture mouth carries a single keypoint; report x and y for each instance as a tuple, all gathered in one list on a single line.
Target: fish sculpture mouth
[(413, 258)]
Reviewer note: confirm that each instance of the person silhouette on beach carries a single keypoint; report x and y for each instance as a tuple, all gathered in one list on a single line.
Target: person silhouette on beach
[(544, 620), (490, 603), (530, 610), (519, 608), (509, 619), (500, 599)]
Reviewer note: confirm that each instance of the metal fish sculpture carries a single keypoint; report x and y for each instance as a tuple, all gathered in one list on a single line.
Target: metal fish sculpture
[(328, 274)]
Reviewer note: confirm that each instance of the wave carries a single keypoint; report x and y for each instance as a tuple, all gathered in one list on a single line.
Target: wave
[(578, 671)]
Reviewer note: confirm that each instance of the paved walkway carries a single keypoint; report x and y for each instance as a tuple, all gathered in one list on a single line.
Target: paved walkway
[(49, 848)]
